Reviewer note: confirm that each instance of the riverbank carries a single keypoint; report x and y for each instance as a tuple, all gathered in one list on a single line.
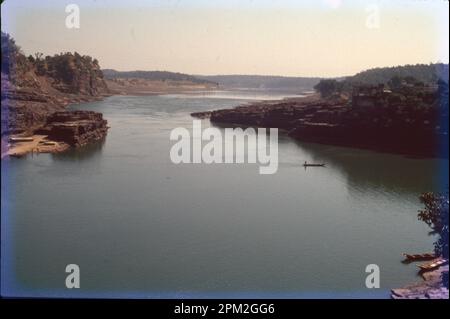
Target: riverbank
[(62, 130), (393, 127), (431, 287), (142, 87), (38, 144)]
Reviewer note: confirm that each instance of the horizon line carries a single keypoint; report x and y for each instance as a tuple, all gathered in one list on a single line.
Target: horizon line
[(280, 76)]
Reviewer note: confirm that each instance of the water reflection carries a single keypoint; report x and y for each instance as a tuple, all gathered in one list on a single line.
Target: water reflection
[(365, 170), (81, 153), (368, 170)]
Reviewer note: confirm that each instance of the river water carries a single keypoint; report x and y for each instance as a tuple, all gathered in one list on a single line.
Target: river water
[(138, 225)]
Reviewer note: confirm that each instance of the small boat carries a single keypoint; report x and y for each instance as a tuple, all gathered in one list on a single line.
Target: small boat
[(317, 165), (433, 265), (412, 257)]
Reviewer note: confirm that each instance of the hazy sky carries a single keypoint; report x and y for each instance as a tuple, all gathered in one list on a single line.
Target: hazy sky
[(297, 38)]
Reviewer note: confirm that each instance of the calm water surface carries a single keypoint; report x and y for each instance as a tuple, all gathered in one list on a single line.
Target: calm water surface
[(140, 226)]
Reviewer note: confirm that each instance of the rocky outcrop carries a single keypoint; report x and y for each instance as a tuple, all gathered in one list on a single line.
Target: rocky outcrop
[(24, 108), (430, 288), (71, 73), (35, 87), (76, 128), (407, 123), (202, 115)]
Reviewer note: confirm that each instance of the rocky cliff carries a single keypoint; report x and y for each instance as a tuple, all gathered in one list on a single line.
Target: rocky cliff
[(408, 121), (75, 128), (36, 86)]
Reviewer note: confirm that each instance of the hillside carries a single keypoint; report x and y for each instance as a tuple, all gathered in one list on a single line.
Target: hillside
[(154, 82), (154, 75), (35, 87), (426, 73), (409, 77)]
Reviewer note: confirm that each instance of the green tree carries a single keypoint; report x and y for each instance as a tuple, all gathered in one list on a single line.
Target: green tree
[(328, 87), (38, 56), (435, 215), (395, 82)]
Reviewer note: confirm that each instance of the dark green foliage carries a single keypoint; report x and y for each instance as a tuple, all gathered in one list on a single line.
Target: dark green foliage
[(9, 51), (435, 215), (328, 87), (443, 92), (425, 73), (13, 60), (401, 78), (66, 67), (63, 67), (395, 82)]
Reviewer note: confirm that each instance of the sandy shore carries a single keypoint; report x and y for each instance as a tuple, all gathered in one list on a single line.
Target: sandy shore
[(39, 144), (142, 87)]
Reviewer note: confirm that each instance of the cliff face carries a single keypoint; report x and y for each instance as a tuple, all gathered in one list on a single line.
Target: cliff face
[(408, 122), (72, 74), (76, 128), (35, 87)]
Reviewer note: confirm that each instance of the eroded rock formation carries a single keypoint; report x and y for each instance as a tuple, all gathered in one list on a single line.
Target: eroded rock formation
[(35, 87), (75, 128), (402, 122)]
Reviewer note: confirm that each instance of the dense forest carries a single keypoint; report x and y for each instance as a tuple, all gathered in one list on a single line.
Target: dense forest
[(393, 78), (13, 60), (426, 73)]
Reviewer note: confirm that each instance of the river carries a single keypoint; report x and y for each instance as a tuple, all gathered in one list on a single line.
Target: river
[(138, 225)]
